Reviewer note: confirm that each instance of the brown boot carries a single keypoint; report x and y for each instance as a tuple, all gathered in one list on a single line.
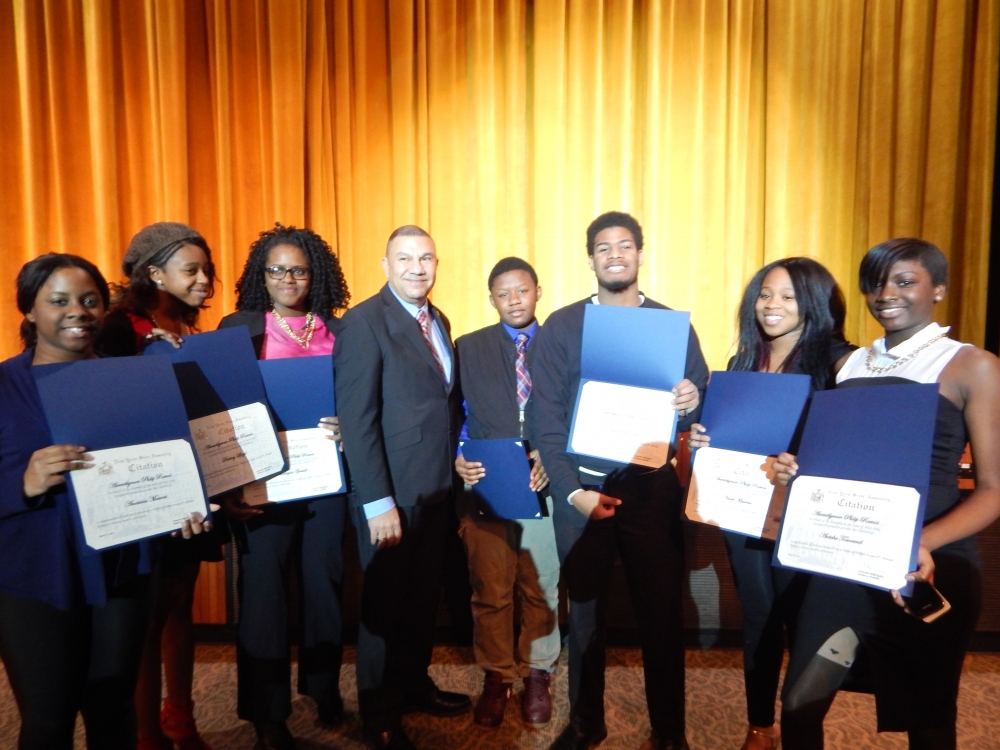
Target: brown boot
[(536, 702), (493, 702)]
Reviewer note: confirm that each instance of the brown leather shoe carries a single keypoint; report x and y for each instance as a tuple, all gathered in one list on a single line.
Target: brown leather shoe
[(493, 702), (536, 702)]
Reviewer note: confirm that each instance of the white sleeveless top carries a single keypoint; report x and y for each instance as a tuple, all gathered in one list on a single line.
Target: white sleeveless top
[(924, 367)]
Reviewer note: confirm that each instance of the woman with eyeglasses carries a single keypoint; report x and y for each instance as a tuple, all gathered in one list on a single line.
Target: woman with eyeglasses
[(170, 276), (291, 286)]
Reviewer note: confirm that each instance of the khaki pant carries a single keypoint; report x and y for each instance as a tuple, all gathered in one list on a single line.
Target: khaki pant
[(507, 556)]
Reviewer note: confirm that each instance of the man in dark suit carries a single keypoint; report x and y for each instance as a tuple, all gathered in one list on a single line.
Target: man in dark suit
[(507, 556), (400, 414), (601, 508)]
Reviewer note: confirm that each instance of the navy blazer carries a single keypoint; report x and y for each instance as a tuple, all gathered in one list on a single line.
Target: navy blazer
[(42, 555), (399, 418)]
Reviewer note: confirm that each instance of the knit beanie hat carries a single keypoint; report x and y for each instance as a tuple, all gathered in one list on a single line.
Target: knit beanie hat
[(150, 240)]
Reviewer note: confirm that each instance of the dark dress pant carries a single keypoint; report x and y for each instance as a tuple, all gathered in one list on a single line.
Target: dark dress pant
[(85, 659), (303, 538), (770, 598), (399, 604), (646, 533)]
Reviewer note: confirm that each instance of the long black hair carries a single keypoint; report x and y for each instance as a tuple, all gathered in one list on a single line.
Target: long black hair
[(821, 309), (139, 294), (32, 277), (327, 289)]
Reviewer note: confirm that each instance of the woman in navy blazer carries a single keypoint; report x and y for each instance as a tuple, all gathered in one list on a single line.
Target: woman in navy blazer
[(72, 620)]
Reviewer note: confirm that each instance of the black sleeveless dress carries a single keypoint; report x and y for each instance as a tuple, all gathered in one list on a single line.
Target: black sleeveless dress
[(913, 667)]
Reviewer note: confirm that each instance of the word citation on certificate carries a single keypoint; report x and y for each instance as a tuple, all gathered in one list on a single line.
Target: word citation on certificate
[(855, 509), (749, 417), (631, 358)]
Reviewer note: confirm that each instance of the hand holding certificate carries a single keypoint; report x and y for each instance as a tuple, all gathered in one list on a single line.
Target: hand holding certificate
[(855, 509), (144, 480), (750, 416), (631, 358)]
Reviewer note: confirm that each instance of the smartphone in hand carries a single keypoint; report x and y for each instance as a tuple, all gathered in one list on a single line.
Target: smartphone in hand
[(926, 602)]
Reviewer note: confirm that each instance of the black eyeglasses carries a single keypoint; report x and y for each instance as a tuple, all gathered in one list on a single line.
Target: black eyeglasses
[(298, 273)]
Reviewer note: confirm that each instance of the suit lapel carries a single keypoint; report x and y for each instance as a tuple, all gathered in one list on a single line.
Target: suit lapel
[(508, 355), (446, 334), (399, 319)]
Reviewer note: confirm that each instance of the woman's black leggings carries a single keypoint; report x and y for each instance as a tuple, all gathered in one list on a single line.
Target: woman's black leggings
[(86, 659)]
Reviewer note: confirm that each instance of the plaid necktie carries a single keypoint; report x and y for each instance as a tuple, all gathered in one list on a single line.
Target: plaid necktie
[(523, 378), (425, 327)]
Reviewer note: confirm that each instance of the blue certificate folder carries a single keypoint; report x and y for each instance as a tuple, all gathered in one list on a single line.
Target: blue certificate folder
[(754, 412), (635, 346), (112, 403), (505, 487), (300, 392), (880, 433)]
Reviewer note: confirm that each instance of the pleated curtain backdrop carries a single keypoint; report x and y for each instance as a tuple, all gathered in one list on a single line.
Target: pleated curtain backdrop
[(737, 132)]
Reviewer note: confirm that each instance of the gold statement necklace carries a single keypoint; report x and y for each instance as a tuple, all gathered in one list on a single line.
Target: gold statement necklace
[(303, 336), (902, 360)]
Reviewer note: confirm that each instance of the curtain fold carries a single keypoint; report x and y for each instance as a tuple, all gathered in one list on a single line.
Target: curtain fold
[(738, 132)]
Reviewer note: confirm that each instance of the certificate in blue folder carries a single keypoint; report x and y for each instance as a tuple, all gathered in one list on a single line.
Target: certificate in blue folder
[(300, 392), (749, 417), (855, 509), (505, 488), (129, 415), (232, 428), (631, 358)]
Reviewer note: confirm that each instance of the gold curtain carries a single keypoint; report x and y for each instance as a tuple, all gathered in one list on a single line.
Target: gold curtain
[(737, 132)]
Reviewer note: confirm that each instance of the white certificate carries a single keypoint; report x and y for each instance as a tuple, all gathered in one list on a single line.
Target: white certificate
[(733, 490), (860, 531), (623, 423), (236, 447), (313, 469), (138, 491)]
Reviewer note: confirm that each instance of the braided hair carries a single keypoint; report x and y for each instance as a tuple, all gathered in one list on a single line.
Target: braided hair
[(327, 289)]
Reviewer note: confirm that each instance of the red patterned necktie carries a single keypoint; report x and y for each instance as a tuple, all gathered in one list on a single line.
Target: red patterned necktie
[(425, 327), (523, 378)]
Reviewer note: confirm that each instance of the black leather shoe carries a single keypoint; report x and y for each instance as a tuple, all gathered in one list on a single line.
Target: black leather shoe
[(655, 742), (330, 708), (574, 738), (273, 735), (438, 702), (390, 739)]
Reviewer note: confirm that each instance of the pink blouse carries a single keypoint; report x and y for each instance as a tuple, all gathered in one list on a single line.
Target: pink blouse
[(279, 345)]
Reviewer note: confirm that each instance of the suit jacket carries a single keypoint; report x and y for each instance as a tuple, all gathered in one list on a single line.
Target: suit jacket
[(399, 419), (489, 383), (255, 322)]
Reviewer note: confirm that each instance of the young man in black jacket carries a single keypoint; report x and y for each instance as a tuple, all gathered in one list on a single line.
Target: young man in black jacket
[(601, 507), (508, 557)]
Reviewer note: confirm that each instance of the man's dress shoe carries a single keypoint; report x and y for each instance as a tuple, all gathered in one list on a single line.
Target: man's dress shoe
[(390, 739), (493, 702), (536, 701), (574, 738), (273, 735), (438, 702)]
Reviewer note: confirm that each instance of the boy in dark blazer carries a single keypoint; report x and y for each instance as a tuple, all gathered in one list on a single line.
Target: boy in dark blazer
[(400, 414), (508, 557)]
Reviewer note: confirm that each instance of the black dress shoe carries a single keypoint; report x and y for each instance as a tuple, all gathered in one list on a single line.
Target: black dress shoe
[(330, 708), (438, 702), (575, 738), (273, 735), (390, 739)]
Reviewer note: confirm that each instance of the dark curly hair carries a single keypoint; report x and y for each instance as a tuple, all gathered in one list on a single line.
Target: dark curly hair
[(327, 290), (32, 277), (139, 294), (504, 265), (613, 219)]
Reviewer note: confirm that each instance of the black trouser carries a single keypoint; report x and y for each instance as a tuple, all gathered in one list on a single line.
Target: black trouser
[(305, 536), (85, 659), (770, 597), (399, 605), (646, 532)]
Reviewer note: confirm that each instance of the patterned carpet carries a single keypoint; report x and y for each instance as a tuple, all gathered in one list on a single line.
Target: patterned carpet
[(714, 710)]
